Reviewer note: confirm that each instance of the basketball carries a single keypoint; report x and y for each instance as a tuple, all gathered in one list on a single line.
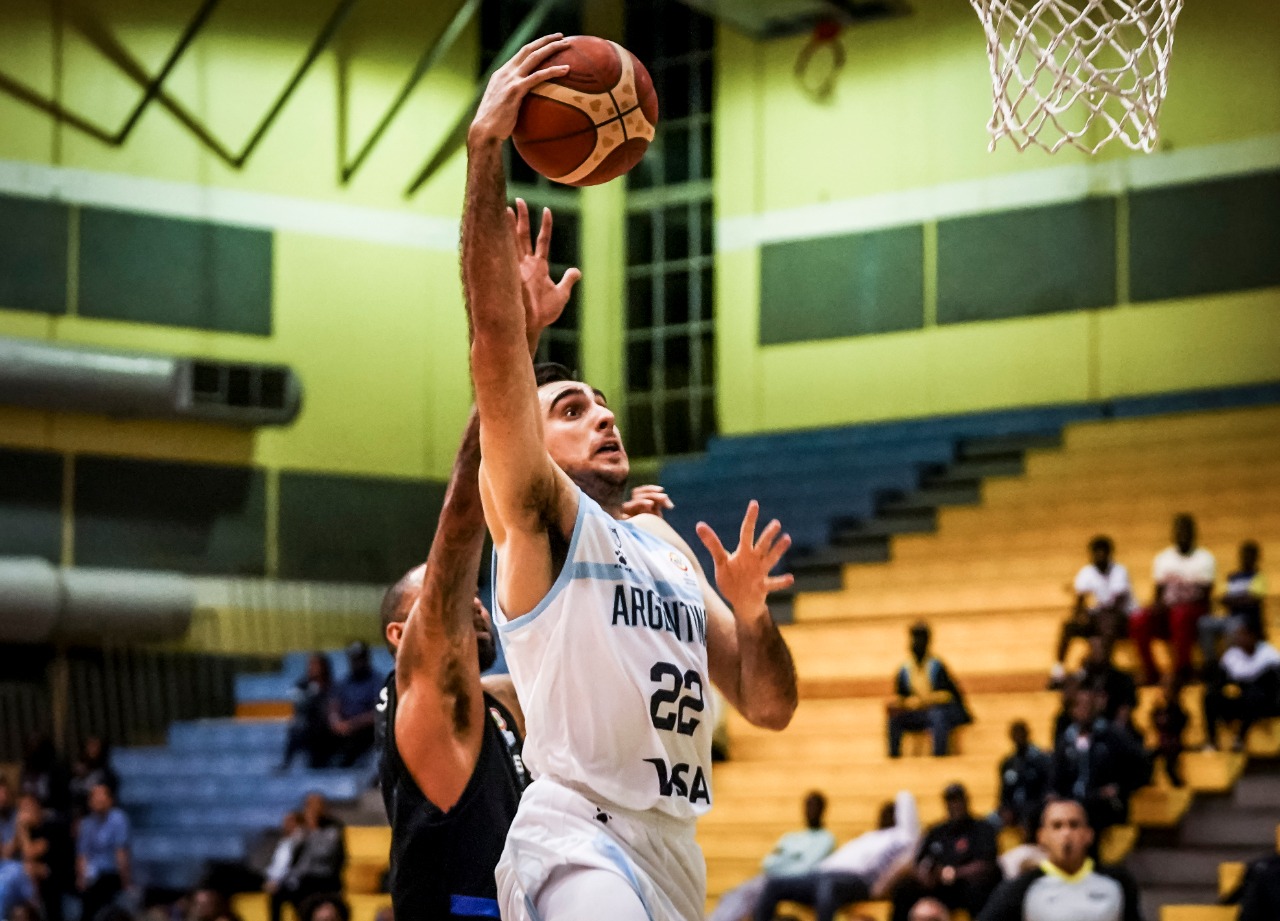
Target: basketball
[(594, 123)]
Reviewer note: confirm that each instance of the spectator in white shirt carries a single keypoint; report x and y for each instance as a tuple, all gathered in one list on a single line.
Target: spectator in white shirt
[(865, 868), (1184, 576), (286, 850), (795, 852), (1104, 598), (1242, 602), (1247, 690)]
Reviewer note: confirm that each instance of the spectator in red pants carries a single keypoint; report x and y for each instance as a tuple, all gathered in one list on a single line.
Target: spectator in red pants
[(1184, 578)]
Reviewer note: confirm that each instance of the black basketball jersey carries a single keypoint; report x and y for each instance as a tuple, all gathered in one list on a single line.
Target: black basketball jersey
[(442, 862)]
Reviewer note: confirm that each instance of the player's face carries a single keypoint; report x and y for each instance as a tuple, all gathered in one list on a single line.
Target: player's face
[(485, 645), (581, 433), (1065, 835)]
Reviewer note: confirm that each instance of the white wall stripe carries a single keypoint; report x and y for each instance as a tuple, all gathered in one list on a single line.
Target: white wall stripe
[(228, 206), (1017, 190)]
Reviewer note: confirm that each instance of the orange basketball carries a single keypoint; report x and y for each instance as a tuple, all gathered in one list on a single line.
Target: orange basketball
[(594, 123)]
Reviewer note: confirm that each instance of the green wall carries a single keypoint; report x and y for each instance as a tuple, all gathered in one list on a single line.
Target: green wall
[(1036, 278)]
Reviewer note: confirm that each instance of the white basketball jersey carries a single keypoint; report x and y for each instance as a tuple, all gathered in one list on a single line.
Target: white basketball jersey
[(611, 670)]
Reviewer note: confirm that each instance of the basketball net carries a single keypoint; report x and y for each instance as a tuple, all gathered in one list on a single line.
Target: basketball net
[(1078, 72)]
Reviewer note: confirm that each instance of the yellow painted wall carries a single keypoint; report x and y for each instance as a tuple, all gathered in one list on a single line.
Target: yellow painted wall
[(376, 331), (909, 112)]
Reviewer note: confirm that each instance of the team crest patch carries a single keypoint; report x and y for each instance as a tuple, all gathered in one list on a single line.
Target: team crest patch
[(680, 562), (497, 719)]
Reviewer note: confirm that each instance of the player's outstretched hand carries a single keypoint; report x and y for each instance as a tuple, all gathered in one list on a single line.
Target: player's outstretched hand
[(647, 500), (495, 117), (743, 576), (544, 299)]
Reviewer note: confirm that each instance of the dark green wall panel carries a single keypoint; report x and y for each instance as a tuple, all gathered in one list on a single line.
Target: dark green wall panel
[(175, 272), (153, 515), (31, 504), (1205, 237), (851, 285), (354, 529), (33, 255), (1022, 263)]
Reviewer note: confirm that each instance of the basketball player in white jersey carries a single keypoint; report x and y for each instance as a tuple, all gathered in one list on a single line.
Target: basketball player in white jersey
[(611, 630)]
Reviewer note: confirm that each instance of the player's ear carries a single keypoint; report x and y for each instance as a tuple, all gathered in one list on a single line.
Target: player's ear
[(395, 630)]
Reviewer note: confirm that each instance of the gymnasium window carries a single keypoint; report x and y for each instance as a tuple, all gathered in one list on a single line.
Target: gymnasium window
[(499, 19), (670, 332)]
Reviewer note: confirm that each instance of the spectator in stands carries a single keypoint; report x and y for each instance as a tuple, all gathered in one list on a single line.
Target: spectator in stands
[(102, 853), (25, 911), (1248, 689), (93, 767), (1096, 764), (321, 857), (24, 857), (1259, 891), (324, 907), (1243, 603), (351, 709), (929, 910), (44, 775), (926, 698), (1169, 719), (956, 863), (291, 837), (209, 904), (1116, 688), (1067, 885), (309, 730), (865, 868), (1071, 688), (8, 812), (795, 852), (1104, 598), (1184, 576), (1024, 781)]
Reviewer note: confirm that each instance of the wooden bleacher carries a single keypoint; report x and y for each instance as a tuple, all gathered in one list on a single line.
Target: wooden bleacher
[(994, 582)]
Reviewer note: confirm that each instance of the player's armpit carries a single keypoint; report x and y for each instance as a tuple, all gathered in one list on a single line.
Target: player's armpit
[(440, 759)]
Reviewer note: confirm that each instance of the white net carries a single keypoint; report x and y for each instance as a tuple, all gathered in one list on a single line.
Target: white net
[(1078, 72)]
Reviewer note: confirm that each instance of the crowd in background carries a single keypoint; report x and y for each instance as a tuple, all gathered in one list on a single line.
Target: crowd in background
[(332, 722)]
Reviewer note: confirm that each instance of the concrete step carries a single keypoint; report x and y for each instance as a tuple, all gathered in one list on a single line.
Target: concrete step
[(1007, 445), (1259, 788), (934, 497), (917, 521), (1184, 866), (1219, 825), (974, 471), (1156, 897)]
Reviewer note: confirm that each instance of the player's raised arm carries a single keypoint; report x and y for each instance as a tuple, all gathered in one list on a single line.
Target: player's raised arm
[(519, 478)]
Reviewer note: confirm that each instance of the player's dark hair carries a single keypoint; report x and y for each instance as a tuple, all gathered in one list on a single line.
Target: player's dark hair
[(551, 372), (393, 609), (1101, 542)]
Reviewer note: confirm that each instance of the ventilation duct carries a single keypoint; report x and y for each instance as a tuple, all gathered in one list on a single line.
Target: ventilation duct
[(75, 379), (42, 603), (762, 19)]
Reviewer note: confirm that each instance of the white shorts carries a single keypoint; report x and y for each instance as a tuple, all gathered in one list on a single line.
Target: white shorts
[(557, 830)]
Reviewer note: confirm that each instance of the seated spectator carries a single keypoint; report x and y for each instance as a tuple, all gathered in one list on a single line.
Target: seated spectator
[(1071, 688), (926, 698), (956, 863), (1024, 781), (8, 812), (44, 775), (1021, 858), (286, 850), (1169, 719), (865, 868), (795, 852), (324, 907), (102, 853), (1097, 765), (24, 866), (1116, 688), (929, 910), (1184, 576), (1259, 892), (309, 731), (351, 708), (1066, 885), (1242, 603), (208, 904), (1247, 690), (25, 911), (93, 767), (319, 861), (1104, 598)]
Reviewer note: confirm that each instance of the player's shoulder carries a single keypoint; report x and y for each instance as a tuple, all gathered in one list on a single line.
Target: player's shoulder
[(656, 526)]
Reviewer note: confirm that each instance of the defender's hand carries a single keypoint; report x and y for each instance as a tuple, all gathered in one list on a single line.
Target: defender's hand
[(544, 299), (495, 117), (743, 576), (647, 500)]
